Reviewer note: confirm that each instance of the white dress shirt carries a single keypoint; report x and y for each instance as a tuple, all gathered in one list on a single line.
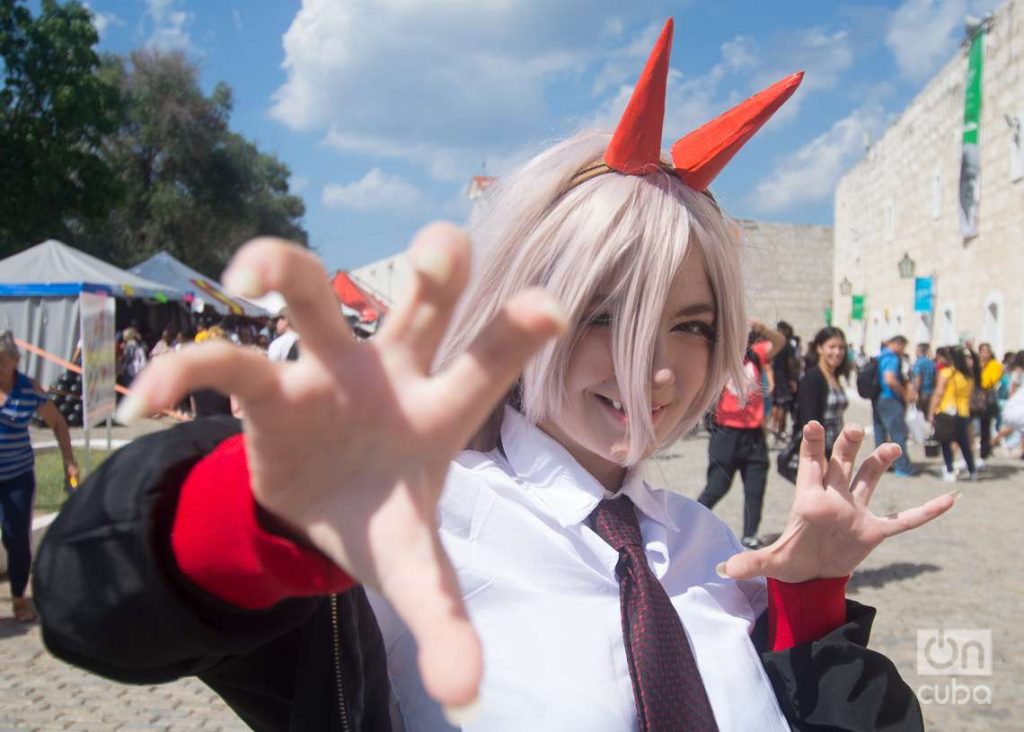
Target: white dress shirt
[(541, 590)]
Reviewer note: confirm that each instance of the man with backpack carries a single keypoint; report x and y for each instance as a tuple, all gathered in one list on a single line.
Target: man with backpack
[(891, 395), (737, 434)]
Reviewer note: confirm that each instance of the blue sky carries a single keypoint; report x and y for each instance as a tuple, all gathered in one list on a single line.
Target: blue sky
[(384, 109)]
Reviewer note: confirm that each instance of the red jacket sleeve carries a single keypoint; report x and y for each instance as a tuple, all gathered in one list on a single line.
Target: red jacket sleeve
[(803, 612), (220, 546)]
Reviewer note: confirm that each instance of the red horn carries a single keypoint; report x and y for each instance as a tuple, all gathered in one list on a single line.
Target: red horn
[(701, 155), (635, 148)]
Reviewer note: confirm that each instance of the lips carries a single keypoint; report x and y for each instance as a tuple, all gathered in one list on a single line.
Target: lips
[(615, 407)]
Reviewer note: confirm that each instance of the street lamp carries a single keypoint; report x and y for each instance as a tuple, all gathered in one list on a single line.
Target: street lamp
[(845, 287), (907, 267)]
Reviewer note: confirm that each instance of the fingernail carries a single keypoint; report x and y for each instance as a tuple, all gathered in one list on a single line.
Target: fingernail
[(131, 408), (432, 262), (243, 282), (956, 493), (458, 716), (554, 310), (720, 570)]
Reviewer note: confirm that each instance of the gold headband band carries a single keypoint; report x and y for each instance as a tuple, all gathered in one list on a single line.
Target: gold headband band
[(593, 171)]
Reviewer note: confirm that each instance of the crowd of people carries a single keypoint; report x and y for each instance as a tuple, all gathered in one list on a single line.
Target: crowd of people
[(963, 398), (135, 349), (960, 400)]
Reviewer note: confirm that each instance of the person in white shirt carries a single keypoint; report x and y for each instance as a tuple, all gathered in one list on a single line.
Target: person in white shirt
[(613, 276), (285, 340)]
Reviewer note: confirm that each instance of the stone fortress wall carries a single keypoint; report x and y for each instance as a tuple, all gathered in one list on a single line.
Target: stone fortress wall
[(903, 199)]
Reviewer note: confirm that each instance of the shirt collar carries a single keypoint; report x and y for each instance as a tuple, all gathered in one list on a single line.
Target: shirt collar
[(550, 474)]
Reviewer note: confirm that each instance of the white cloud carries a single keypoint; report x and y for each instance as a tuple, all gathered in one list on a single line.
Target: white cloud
[(824, 55), (375, 191), (171, 25), (923, 34), (297, 184), (236, 16), (812, 172), (440, 82), (103, 21)]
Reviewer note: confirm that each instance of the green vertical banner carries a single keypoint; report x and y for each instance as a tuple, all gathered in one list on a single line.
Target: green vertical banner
[(857, 307), (970, 157)]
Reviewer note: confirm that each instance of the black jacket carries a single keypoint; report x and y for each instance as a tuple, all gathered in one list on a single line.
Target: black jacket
[(112, 600)]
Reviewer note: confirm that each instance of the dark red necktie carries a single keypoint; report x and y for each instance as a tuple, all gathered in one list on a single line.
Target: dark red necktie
[(667, 687)]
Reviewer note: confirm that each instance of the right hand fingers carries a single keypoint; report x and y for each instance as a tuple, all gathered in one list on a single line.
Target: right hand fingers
[(267, 264), (229, 369), (425, 593), (439, 256), (481, 375)]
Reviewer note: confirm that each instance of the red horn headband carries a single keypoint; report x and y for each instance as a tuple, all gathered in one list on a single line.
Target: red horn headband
[(698, 157)]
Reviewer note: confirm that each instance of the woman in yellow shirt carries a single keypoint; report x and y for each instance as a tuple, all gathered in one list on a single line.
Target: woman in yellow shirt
[(950, 410)]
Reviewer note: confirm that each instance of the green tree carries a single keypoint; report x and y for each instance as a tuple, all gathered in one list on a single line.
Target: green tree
[(191, 185), (55, 112)]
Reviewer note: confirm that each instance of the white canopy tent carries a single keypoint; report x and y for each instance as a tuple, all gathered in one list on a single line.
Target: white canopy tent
[(39, 298)]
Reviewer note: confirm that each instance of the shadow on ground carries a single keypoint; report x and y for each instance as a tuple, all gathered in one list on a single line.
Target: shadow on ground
[(895, 572), (1001, 471), (10, 628)]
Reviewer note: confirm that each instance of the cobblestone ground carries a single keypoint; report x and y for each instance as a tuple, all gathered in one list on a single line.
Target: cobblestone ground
[(958, 573)]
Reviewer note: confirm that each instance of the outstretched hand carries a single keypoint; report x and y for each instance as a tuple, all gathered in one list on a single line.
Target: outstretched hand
[(349, 446), (830, 528)]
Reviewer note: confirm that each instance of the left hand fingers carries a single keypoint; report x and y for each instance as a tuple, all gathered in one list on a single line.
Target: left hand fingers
[(911, 518), (844, 453), (872, 470), (744, 565)]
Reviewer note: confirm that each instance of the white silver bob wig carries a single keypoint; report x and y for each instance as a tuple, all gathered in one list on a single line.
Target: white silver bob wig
[(623, 236)]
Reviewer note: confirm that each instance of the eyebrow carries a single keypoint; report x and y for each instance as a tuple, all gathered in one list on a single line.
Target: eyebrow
[(697, 308)]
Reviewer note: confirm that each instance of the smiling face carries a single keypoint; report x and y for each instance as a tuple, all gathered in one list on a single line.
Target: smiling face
[(592, 425), (832, 353)]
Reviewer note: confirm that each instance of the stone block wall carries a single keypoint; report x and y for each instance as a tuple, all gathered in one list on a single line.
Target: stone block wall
[(788, 273)]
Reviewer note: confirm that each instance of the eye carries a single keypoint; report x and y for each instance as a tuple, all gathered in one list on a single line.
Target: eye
[(600, 320), (699, 328)]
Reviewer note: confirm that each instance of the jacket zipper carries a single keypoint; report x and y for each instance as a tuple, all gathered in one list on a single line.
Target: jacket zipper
[(336, 632)]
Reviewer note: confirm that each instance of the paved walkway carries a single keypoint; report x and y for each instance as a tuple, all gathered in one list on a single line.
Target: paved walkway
[(959, 573)]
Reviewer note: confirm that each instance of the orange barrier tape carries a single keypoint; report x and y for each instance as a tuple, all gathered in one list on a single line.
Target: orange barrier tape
[(78, 370)]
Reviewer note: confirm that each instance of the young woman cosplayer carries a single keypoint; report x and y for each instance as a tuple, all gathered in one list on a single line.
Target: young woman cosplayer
[(535, 575)]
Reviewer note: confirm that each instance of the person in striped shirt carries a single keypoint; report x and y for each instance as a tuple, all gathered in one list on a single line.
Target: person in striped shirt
[(21, 397)]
